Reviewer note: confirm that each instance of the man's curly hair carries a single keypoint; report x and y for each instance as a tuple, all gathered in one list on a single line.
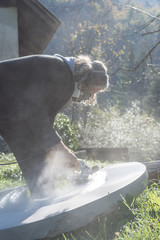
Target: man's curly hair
[(90, 73)]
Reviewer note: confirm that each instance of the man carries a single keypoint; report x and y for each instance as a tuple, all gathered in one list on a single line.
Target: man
[(33, 90)]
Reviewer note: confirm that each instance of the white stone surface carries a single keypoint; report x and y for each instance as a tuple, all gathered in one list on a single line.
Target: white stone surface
[(75, 208), (8, 33)]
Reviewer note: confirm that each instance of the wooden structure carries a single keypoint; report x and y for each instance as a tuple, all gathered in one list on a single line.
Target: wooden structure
[(35, 25)]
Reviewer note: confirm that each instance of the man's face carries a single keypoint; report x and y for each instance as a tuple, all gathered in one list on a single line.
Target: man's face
[(97, 80), (98, 83), (88, 90)]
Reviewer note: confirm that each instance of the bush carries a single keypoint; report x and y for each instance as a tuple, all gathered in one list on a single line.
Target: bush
[(66, 131), (134, 130), (9, 171)]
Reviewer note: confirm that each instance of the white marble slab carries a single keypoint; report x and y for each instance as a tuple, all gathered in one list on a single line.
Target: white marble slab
[(76, 208)]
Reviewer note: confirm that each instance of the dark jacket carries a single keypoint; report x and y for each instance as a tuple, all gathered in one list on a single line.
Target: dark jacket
[(32, 91)]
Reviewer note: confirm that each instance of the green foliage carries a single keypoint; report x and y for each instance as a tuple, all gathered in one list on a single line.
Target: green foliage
[(10, 175), (9, 171), (146, 223), (66, 131)]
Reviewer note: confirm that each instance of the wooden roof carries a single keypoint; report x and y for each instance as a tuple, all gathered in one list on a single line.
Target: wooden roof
[(36, 25)]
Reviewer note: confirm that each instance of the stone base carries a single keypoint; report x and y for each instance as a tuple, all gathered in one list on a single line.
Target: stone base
[(76, 207)]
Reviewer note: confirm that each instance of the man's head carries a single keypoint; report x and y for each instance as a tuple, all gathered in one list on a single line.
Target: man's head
[(91, 77)]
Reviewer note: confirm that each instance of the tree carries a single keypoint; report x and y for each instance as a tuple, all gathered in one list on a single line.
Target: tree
[(124, 36)]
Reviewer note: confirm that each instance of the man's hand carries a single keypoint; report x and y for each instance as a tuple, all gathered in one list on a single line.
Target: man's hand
[(62, 157)]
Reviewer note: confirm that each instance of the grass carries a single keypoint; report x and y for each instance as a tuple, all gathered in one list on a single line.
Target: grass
[(146, 211)]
